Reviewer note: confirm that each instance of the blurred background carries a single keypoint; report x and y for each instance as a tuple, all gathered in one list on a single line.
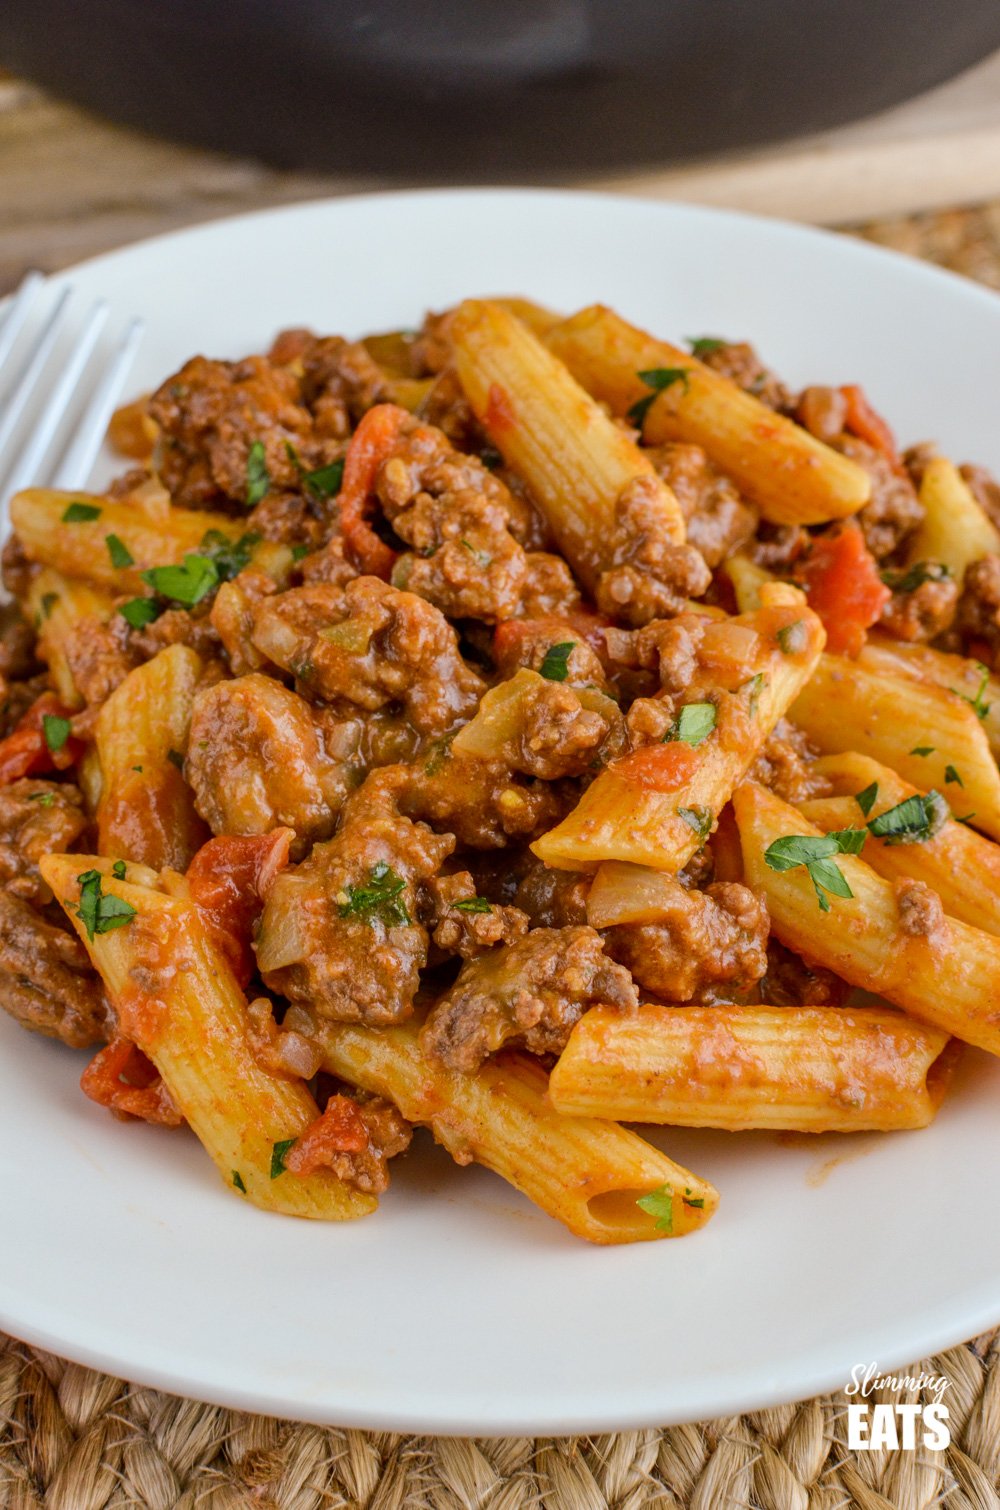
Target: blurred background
[(123, 118)]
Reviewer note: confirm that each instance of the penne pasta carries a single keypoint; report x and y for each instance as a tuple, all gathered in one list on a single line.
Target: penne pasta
[(962, 866), (195, 1030), (589, 1175), (792, 477), (657, 807), (847, 706), (866, 938), (797, 1069), (955, 529), (576, 461), (938, 668), (146, 809), (79, 547), (59, 605)]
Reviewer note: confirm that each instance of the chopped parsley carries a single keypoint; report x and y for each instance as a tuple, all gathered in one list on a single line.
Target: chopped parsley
[(966, 819), (56, 731), (298, 551), (693, 724), (49, 601), (439, 752), (912, 821), (659, 1203), (238, 1181), (979, 708), (793, 637), (555, 665), (704, 346), (81, 513), (911, 577), (379, 898), (922, 750), (815, 852), (325, 482), (482, 558), (186, 584), (698, 818), (697, 1203), (100, 913), (755, 686), (44, 799), (278, 1152), (867, 798), (258, 477), (118, 870), (230, 556), (473, 904), (951, 775), (119, 552), (138, 612), (657, 379)]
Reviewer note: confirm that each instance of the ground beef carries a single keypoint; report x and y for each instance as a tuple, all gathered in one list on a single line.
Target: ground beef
[(36, 818), (778, 547), (465, 528), (710, 946), (648, 575), (231, 617), (553, 735), (985, 489), (99, 656), (718, 519), (446, 407), (17, 644), (432, 350), (978, 615), (340, 382), (295, 519), (479, 801), (343, 926), (210, 415), (791, 981), (368, 645), (256, 761), (528, 641), (461, 922), (738, 361), (531, 992), (894, 510), (553, 898), (46, 983), (924, 612), (668, 648), (921, 914), (374, 1127), (785, 766), (16, 698)]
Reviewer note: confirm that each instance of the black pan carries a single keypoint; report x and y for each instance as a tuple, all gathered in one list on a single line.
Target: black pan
[(490, 88)]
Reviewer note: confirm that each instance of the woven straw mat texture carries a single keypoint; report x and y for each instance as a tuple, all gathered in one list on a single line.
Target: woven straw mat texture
[(72, 1439)]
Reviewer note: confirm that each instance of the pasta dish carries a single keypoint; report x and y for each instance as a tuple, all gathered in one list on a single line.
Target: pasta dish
[(521, 728)]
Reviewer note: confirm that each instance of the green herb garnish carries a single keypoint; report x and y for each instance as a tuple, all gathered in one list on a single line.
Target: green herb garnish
[(922, 750), (230, 556), (118, 870), (298, 551), (379, 898), (138, 612), (49, 601), (555, 665), (979, 708), (793, 637), (258, 477), (656, 378), (119, 552), (659, 1203), (867, 798), (100, 913), (81, 513), (703, 346), (44, 799), (952, 776), (755, 686), (56, 730), (693, 724), (186, 584), (698, 818), (815, 852), (912, 577), (238, 1181), (473, 904), (325, 482), (278, 1152), (912, 821)]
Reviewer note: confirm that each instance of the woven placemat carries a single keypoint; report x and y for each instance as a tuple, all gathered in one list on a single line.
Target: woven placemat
[(73, 1439)]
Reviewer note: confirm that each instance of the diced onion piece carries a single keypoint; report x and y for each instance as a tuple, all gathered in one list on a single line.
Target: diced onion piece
[(625, 893)]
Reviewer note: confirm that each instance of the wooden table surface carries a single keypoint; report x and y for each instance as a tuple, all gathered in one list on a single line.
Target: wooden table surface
[(72, 186)]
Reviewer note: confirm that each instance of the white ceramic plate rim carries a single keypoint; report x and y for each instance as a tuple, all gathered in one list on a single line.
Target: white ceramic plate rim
[(620, 1404)]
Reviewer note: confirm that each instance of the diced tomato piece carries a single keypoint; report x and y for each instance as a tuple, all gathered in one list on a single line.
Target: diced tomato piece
[(340, 1129), (371, 444), (229, 879), (841, 576), (868, 425), (121, 1078), (658, 768), (25, 751)]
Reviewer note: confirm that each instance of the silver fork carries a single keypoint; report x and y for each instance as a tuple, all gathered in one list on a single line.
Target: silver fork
[(28, 451)]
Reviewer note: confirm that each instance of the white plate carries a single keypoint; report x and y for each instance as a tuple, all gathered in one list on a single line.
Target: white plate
[(458, 1307)]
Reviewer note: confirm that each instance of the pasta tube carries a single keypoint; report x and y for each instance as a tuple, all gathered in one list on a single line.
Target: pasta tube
[(195, 1030), (58, 604), (960, 865), (589, 1175), (78, 546), (575, 460), (146, 809), (847, 706), (955, 673), (792, 477), (658, 805), (955, 529), (866, 938), (800, 1069)]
